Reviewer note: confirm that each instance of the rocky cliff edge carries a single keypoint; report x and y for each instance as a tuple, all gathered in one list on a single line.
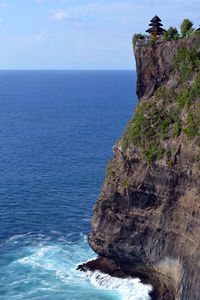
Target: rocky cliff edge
[(147, 218)]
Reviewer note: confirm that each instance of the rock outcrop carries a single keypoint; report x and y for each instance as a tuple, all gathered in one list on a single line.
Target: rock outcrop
[(154, 63), (147, 218)]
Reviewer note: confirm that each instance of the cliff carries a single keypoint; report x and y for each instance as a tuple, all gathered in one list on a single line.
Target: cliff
[(147, 218), (154, 64)]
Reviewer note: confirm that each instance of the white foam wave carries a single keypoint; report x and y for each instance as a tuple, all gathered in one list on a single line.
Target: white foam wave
[(45, 258), (129, 288), (58, 260), (56, 265)]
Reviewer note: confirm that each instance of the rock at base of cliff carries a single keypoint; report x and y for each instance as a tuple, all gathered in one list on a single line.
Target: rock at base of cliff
[(162, 288)]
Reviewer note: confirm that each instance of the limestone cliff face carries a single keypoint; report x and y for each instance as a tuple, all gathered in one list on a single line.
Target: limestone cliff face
[(154, 64), (148, 213)]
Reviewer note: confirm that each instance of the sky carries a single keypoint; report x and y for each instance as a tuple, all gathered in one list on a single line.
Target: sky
[(81, 34)]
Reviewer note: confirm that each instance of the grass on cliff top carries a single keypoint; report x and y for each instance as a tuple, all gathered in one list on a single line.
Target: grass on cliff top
[(161, 117)]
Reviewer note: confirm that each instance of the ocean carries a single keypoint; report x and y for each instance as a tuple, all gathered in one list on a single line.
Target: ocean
[(57, 129)]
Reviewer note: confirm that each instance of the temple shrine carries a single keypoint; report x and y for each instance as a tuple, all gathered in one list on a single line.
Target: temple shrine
[(156, 29)]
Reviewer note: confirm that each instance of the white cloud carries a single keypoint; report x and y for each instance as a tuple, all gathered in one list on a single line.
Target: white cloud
[(1, 20), (63, 15)]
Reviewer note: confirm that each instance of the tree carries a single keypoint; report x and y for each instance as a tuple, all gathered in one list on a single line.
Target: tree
[(137, 37), (186, 28), (171, 34)]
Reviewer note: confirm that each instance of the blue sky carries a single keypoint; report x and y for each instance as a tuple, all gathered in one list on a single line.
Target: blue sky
[(81, 34)]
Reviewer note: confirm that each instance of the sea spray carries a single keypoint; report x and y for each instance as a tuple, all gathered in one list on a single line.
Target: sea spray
[(39, 267), (129, 288)]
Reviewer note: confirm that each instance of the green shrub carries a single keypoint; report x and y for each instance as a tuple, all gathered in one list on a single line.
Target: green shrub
[(112, 168), (171, 34), (198, 142), (191, 131), (197, 157), (177, 129), (187, 61), (186, 28), (170, 163), (168, 153), (153, 40), (160, 118), (137, 37), (153, 151), (197, 42), (124, 183), (164, 137), (160, 92)]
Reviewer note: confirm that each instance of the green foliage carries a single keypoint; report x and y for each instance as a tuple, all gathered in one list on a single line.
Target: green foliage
[(198, 142), (187, 61), (159, 93), (168, 153), (164, 137), (170, 163), (197, 42), (171, 34), (148, 125), (195, 89), (163, 116), (186, 28), (197, 157), (124, 183), (110, 169), (177, 129), (139, 124), (153, 151), (166, 95), (137, 37), (191, 131), (153, 40)]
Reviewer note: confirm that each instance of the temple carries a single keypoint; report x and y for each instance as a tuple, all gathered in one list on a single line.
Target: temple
[(155, 29)]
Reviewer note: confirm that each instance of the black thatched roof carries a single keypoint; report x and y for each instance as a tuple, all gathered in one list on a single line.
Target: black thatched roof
[(155, 26), (156, 18), (156, 30)]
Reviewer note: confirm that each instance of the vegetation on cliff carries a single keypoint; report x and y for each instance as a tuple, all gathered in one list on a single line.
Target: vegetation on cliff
[(186, 28), (171, 34), (137, 37), (170, 113)]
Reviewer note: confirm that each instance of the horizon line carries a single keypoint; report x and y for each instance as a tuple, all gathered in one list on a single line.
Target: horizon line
[(67, 70)]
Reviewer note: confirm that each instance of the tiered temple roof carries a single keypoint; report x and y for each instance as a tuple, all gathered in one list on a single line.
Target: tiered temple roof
[(156, 27)]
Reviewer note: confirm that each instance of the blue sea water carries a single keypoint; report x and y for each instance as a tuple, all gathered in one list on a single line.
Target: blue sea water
[(57, 129)]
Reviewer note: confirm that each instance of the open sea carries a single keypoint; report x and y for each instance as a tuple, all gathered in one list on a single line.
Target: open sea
[(57, 129)]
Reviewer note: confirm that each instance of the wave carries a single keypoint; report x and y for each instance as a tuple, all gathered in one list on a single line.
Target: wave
[(44, 269), (129, 288)]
